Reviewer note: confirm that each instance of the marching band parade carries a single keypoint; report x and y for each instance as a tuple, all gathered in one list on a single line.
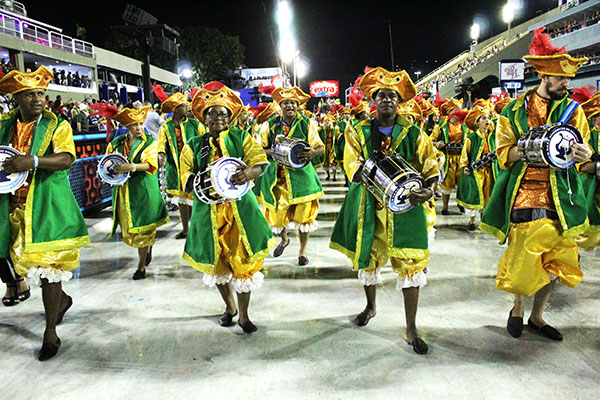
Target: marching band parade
[(246, 180)]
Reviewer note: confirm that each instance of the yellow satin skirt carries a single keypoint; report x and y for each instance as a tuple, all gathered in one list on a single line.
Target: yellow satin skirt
[(487, 179), (329, 158), (536, 249), (453, 174), (233, 258), (67, 260), (589, 240), (137, 240), (404, 267), (430, 213), (284, 213)]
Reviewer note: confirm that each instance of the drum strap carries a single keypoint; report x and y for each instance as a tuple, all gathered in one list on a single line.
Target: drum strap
[(204, 156), (568, 112)]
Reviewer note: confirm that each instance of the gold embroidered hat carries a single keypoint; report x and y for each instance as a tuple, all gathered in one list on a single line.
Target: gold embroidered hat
[(17, 81), (173, 101), (295, 93), (361, 107), (267, 112), (549, 60), (473, 116), (501, 104), (380, 78), (128, 116), (450, 105), (411, 107), (216, 94), (590, 103)]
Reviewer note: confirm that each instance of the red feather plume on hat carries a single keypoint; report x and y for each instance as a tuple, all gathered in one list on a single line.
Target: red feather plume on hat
[(160, 93), (461, 114), (106, 110), (367, 69), (582, 94), (356, 95), (373, 108), (542, 46), (258, 109), (266, 89), (438, 100)]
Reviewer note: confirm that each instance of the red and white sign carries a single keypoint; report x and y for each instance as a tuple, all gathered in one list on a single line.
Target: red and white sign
[(324, 88)]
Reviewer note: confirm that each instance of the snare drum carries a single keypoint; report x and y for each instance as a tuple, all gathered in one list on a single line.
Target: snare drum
[(484, 161), (454, 148), (549, 146), (391, 179), (285, 151), (9, 183), (214, 186), (107, 171)]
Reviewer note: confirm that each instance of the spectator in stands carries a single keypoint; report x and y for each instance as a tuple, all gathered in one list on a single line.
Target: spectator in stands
[(79, 118)]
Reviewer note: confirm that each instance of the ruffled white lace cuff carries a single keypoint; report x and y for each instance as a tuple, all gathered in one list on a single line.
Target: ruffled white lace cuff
[(431, 234), (249, 284), (307, 228), (471, 212), (212, 280), (36, 274), (416, 280), (369, 278), (183, 201), (277, 231), (444, 191)]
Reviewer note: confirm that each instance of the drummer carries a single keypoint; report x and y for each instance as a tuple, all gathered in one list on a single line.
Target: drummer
[(228, 242), (362, 229), (291, 195), (172, 135), (327, 134), (138, 206), (539, 211), (42, 227), (475, 186)]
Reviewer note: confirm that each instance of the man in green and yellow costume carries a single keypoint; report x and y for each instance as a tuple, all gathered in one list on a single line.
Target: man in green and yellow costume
[(172, 135), (539, 211), (228, 242), (291, 195), (366, 231), (327, 133), (138, 206), (42, 227)]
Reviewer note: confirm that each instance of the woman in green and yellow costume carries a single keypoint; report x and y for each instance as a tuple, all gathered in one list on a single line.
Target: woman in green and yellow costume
[(475, 186), (328, 135), (172, 135), (42, 227), (365, 230), (340, 140), (590, 180), (291, 195), (138, 207), (228, 242)]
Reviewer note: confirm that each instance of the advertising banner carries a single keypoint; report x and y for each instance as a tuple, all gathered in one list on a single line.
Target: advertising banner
[(324, 88)]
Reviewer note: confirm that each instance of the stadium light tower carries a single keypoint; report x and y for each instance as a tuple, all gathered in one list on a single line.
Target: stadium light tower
[(475, 31), (508, 14), (287, 43)]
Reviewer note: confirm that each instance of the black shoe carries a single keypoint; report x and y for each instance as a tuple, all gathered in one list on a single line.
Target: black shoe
[(460, 208), (48, 351), (419, 346), (62, 312), (472, 227), (280, 248), (546, 330), (9, 301), (327, 178), (226, 319), (445, 212), (181, 235), (363, 318), (438, 196), (248, 326), (302, 260), (139, 274), (514, 326), (24, 295)]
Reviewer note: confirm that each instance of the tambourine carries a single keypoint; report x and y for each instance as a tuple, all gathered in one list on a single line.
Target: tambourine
[(9, 183), (107, 171)]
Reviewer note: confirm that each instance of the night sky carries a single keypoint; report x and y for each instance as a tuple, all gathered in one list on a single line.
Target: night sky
[(337, 38)]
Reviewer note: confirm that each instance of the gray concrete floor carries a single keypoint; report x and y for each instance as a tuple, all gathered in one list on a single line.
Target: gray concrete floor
[(159, 338)]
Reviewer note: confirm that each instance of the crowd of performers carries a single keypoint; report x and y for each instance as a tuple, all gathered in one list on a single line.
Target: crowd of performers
[(545, 214)]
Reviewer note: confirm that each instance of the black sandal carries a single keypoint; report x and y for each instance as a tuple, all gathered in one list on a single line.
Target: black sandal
[(9, 301), (25, 294)]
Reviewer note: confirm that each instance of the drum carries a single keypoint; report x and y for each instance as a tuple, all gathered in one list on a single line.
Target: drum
[(549, 146), (10, 182), (485, 161), (454, 148), (214, 186), (107, 172), (391, 179), (285, 151)]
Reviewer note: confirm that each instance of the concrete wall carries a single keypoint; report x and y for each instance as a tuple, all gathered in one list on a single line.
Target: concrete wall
[(579, 39), (110, 59)]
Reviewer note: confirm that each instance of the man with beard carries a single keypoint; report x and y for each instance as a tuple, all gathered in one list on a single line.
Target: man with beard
[(539, 211)]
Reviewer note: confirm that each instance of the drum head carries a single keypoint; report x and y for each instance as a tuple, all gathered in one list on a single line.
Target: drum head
[(106, 169), (10, 182), (294, 156), (221, 174), (399, 202), (558, 150)]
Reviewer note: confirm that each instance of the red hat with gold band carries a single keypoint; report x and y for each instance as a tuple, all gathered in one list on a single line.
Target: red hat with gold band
[(17, 81), (267, 112), (589, 102), (129, 116), (473, 116), (450, 105), (216, 94), (501, 104), (549, 60), (173, 101), (380, 78), (294, 93), (411, 107)]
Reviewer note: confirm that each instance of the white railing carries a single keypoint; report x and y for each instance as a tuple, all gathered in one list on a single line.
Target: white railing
[(14, 6), (28, 31), (441, 68)]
